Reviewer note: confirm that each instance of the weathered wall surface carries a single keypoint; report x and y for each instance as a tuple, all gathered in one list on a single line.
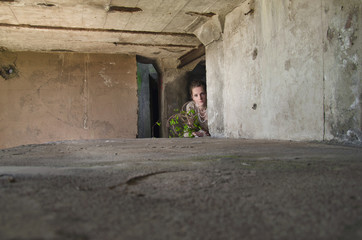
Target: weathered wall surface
[(215, 85), (174, 95), (283, 76), (67, 96), (342, 69)]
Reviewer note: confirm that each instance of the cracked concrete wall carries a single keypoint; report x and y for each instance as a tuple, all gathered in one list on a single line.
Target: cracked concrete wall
[(281, 75), (342, 50), (65, 96)]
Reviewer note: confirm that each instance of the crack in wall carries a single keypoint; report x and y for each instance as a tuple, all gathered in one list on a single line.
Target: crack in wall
[(154, 45), (198, 14), (323, 72), (46, 4), (85, 93), (42, 27), (124, 9)]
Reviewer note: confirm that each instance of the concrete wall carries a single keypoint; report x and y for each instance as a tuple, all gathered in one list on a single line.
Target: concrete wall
[(342, 28), (64, 96), (173, 93), (285, 69)]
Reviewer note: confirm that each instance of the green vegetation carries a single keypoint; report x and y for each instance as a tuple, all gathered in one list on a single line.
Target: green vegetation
[(183, 124)]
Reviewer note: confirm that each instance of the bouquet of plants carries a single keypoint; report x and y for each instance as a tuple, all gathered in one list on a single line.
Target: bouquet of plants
[(183, 123)]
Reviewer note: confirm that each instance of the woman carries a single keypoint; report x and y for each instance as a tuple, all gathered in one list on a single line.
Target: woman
[(197, 110)]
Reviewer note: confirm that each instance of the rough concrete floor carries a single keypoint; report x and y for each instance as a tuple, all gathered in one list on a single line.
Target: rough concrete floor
[(181, 189)]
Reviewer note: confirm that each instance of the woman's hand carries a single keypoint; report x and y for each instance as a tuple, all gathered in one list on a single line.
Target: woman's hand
[(201, 133)]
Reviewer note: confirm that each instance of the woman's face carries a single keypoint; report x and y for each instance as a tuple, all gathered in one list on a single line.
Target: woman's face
[(199, 96)]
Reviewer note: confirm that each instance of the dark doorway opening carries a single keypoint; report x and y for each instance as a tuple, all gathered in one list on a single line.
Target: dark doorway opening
[(154, 106), (148, 100), (178, 95)]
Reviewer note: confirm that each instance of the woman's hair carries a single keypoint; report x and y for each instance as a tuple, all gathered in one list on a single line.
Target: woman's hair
[(196, 83)]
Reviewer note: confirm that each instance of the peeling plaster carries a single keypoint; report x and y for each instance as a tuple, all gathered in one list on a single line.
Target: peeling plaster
[(107, 80), (60, 96)]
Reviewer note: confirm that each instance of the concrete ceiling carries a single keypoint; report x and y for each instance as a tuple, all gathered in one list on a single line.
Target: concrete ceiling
[(156, 28)]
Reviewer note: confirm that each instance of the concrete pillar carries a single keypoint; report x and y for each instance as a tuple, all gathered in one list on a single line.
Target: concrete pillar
[(173, 90), (285, 70), (215, 88), (342, 48)]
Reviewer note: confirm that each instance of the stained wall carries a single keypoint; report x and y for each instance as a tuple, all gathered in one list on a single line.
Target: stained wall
[(65, 96), (286, 69)]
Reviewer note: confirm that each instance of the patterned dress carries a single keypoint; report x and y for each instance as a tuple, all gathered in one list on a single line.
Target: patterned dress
[(193, 112)]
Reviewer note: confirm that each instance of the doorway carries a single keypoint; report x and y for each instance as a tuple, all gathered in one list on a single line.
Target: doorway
[(148, 100)]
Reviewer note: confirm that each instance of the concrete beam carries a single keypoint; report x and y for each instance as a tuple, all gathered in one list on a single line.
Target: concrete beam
[(192, 56), (95, 40), (210, 31)]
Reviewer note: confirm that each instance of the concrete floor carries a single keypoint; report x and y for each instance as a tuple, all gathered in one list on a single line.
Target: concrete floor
[(181, 189)]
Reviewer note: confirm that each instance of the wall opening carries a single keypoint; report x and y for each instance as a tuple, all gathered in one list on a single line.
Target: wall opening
[(148, 100), (178, 94)]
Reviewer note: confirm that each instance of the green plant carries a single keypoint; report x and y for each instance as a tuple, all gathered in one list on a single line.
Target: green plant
[(183, 124)]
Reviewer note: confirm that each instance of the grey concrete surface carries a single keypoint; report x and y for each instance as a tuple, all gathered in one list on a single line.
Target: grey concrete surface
[(287, 70), (181, 189)]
